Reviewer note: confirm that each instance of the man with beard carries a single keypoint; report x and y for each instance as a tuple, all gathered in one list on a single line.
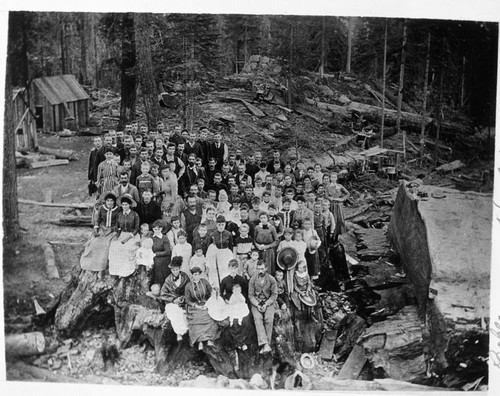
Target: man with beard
[(241, 174), (148, 210), (126, 188), (123, 150), (191, 217), (218, 185)]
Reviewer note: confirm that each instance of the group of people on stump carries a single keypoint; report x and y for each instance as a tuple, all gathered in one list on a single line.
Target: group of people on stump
[(215, 235)]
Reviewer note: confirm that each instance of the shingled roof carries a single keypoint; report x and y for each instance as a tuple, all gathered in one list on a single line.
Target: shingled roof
[(61, 89)]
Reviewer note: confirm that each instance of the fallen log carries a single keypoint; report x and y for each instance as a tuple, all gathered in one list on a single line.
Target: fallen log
[(353, 365), (59, 153), (74, 221), (57, 204), (27, 344), (386, 384), (309, 112), (50, 262), (392, 98), (252, 109), (45, 164), (451, 166)]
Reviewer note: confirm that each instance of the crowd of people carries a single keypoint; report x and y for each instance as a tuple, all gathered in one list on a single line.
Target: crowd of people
[(218, 234)]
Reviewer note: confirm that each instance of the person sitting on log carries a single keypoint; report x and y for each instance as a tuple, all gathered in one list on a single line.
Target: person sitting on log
[(173, 294), (238, 308), (201, 326), (283, 301), (95, 255), (226, 285), (303, 295), (262, 293)]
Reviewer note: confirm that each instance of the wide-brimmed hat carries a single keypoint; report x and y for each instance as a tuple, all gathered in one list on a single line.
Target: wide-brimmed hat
[(307, 361), (108, 194), (309, 299), (128, 197), (287, 258)]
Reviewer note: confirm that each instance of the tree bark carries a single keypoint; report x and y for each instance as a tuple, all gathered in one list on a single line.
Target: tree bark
[(149, 88), (383, 89), (83, 48), (127, 72), (424, 104), (10, 209), (350, 27), (400, 88), (323, 39)]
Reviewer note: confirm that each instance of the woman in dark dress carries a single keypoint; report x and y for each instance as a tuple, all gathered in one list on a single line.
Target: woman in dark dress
[(201, 326), (161, 249)]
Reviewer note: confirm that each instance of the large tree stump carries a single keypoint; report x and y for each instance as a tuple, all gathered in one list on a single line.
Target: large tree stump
[(136, 317)]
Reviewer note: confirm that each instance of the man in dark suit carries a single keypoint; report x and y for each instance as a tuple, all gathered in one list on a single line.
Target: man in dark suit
[(126, 188), (204, 146), (93, 164), (136, 166), (219, 151), (276, 158), (192, 146), (148, 210), (108, 143), (218, 185)]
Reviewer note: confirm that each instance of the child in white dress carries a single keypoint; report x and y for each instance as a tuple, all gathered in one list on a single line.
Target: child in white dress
[(238, 308)]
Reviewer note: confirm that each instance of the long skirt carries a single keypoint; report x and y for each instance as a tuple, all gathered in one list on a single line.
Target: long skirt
[(313, 264), (217, 261), (241, 334), (122, 256), (96, 251), (177, 317), (201, 326), (160, 270), (337, 209), (269, 256)]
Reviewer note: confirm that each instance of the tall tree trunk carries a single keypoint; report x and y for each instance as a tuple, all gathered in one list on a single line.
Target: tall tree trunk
[(424, 104), (10, 209), (350, 27), (18, 50), (382, 121), (127, 71), (83, 48), (400, 90), (149, 88), (462, 84), (289, 83), (63, 45), (439, 105), (323, 39)]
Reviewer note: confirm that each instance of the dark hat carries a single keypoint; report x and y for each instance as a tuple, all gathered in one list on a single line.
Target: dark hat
[(287, 258), (176, 262), (309, 299), (108, 194), (127, 198), (220, 219)]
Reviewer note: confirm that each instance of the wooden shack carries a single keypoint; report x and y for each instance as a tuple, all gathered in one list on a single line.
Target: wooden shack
[(24, 121), (60, 102)]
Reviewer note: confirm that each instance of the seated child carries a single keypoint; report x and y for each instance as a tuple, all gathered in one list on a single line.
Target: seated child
[(154, 293), (283, 301), (302, 285), (238, 308), (144, 255)]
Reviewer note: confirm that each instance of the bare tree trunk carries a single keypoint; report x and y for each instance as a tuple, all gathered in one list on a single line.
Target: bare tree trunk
[(400, 90), (63, 47), (439, 105), (128, 73), (350, 26), (322, 60), (383, 89), (10, 209), (290, 67), (83, 48), (149, 88), (462, 84), (424, 104)]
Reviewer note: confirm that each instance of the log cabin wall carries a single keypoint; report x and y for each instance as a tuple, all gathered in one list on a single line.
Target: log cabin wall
[(24, 121)]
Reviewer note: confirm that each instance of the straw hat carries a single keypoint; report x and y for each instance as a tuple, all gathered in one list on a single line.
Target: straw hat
[(128, 197)]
